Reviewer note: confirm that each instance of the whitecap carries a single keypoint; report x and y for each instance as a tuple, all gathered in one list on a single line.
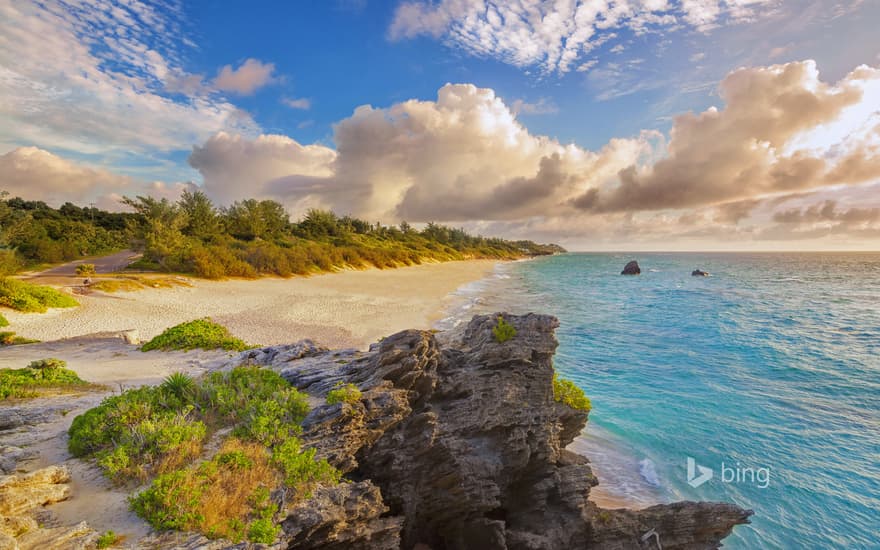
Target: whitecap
[(648, 471)]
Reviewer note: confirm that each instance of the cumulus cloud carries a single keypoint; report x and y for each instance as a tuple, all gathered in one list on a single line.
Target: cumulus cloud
[(235, 167), (35, 174), (250, 76), (744, 150), (463, 156), (554, 34)]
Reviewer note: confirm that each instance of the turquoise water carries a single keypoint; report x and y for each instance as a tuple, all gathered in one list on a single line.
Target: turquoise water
[(770, 366)]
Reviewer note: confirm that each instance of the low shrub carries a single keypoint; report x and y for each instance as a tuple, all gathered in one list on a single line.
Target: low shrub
[(4, 322), (503, 331), (44, 376), (201, 333), (108, 539), (10, 339), (31, 298), (565, 391), (344, 393)]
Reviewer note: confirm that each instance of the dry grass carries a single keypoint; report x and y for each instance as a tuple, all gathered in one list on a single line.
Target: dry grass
[(132, 283)]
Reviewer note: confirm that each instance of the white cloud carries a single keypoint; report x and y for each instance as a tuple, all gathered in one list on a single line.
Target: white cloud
[(93, 79), (543, 106), (554, 34), (35, 174), (298, 103), (250, 76)]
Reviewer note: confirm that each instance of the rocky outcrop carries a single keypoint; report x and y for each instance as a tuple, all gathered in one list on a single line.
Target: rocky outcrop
[(22, 496), (699, 273), (457, 442), (632, 268)]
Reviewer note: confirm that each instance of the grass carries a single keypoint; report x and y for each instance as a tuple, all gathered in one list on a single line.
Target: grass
[(565, 391), (4, 322), (201, 333), (132, 283), (109, 539), (8, 338), (159, 434), (503, 331), (344, 393), (39, 378), (31, 298)]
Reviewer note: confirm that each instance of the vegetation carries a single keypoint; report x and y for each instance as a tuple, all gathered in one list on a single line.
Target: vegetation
[(4, 322), (565, 391), (201, 333), (503, 331), (28, 297), (8, 338), (344, 393), (109, 539), (33, 233), (39, 377), (160, 432), (85, 270), (131, 283)]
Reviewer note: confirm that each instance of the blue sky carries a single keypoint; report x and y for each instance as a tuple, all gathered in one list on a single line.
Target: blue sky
[(560, 122)]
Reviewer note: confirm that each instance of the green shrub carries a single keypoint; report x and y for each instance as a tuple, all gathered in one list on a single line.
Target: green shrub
[(300, 469), (565, 391), (201, 333), (108, 539), (503, 331), (10, 339), (47, 375), (3, 321), (30, 298), (344, 393), (85, 270)]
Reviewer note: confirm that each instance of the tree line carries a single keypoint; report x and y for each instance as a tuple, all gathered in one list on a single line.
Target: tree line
[(248, 238)]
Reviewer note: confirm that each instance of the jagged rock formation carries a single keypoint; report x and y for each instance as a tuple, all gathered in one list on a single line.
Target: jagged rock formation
[(460, 444), (632, 268)]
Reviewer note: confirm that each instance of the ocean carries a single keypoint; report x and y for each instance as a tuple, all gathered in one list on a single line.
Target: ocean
[(766, 375)]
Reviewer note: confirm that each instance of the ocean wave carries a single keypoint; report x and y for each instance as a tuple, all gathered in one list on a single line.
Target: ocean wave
[(648, 471)]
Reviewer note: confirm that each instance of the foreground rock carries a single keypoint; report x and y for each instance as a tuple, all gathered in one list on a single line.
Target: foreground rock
[(632, 268), (21, 499), (460, 444)]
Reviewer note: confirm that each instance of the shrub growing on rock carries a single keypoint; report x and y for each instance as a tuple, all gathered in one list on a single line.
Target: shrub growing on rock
[(503, 331), (565, 391), (344, 393)]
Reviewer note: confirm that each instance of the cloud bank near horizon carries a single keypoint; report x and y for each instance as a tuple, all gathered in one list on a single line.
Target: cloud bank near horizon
[(765, 165)]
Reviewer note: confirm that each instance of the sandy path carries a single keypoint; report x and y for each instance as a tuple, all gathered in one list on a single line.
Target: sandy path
[(346, 309)]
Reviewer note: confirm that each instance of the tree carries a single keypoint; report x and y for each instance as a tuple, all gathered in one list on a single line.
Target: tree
[(202, 219)]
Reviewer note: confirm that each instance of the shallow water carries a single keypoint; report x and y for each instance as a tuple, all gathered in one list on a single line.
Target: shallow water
[(767, 372)]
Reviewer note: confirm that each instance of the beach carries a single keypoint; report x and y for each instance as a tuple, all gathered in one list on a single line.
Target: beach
[(337, 310)]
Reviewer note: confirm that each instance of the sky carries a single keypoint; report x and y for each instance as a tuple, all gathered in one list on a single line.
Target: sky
[(597, 124)]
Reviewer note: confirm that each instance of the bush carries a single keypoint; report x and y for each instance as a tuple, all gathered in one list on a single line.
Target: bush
[(201, 333), (85, 270), (565, 391), (10, 339), (344, 393), (30, 298), (3, 321), (109, 539), (39, 377), (503, 331)]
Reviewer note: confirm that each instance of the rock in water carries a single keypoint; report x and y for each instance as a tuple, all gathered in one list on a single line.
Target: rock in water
[(631, 268), (699, 273), (457, 442)]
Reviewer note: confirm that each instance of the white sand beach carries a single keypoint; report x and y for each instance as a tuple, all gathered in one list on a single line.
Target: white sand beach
[(345, 309)]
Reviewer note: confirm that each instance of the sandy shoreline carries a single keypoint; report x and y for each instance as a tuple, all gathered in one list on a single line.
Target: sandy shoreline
[(345, 309)]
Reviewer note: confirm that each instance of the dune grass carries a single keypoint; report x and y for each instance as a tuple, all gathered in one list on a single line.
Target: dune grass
[(8, 338), (31, 298), (45, 376), (160, 433), (198, 334)]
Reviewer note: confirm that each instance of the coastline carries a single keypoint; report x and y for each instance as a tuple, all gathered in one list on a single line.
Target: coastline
[(337, 310)]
